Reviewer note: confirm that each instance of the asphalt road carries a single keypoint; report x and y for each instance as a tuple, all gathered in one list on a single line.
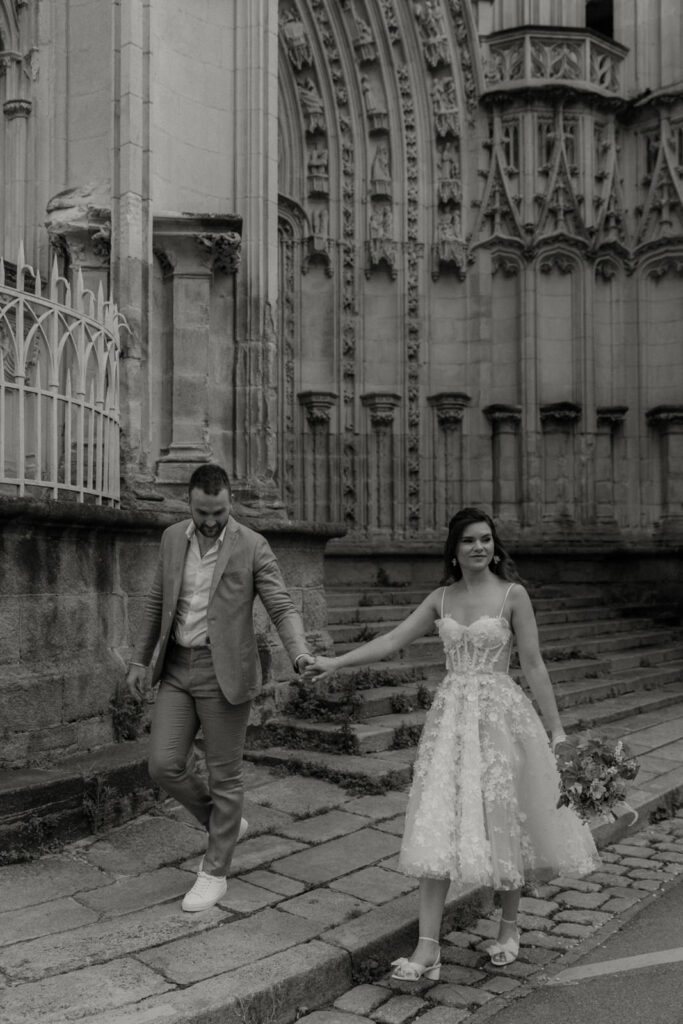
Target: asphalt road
[(632, 988)]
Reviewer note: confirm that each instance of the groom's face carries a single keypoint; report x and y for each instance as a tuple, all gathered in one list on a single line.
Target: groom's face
[(209, 511)]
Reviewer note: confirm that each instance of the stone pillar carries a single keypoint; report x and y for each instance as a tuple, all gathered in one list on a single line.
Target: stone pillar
[(189, 248), (609, 476), (319, 476), (80, 232), (255, 195), (505, 421), (449, 407), (668, 421), (557, 420), (16, 112), (381, 470)]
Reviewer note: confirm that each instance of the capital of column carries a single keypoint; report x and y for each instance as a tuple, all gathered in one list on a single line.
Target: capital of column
[(560, 415), (16, 108), (450, 406), (611, 415), (195, 245), (80, 231), (503, 418), (317, 405), (667, 418), (382, 406)]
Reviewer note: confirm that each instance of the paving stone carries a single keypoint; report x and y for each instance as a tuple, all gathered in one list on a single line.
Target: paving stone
[(275, 883), (145, 844), (531, 923), (645, 885), (607, 857), (104, 941), (324, 905), (263, 819), (323, 827), (443, 1015), (45, 919), (668, 856), (135, 893), (394, 825), (558, 942), (625, 850), (263, 850), (398, 1010), (499, 985), (674, 847), (537, 907), (94, 991), (49, 878), (625, 891), (638, 862), (576, 884), (332, 1017), (543, 892), (244, 898), (236, 943), (379, 808), (462, 956), (514, 970), (586, 900), (454, 974), (465, 940), (616, 905), (673, 869), (362, 999), (460, 996), (376, 885), (306, 797), (651, 876), (573, 931), (586, 917), (533, 955), (487, 929), (607, 878), (338, 857)]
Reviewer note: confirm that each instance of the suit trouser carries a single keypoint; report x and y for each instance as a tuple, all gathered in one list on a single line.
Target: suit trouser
[(189, 697)]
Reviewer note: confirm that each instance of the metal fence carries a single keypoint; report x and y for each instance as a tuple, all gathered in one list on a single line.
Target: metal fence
[(59, 388)]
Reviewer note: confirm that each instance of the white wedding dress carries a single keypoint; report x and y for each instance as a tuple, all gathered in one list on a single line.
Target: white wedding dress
[(483, 805)]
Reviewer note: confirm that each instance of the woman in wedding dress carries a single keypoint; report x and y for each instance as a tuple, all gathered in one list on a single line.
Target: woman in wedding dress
[(482, 808)]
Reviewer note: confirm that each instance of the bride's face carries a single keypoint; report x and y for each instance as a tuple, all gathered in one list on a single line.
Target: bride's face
[(476, 547)]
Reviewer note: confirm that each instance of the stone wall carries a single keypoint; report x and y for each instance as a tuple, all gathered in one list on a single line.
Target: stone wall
[(73, 587)]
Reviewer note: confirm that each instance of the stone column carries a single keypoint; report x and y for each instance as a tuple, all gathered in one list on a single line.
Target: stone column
[(557, 420), (449, 407), (609, 476), (319, 477), (81, 235), (189, 249), (16, 113), (505, 421), (668, 421), (381, 470), (255, 195)]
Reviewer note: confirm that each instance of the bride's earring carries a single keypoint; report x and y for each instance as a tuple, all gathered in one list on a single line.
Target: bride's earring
[(454, 563), (496, 560)]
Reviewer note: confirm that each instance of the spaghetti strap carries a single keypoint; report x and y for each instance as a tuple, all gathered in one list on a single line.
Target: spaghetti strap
[(443, 596), (500, 613)]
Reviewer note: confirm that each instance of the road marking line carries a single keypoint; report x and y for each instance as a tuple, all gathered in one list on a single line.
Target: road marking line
[(625, 963)]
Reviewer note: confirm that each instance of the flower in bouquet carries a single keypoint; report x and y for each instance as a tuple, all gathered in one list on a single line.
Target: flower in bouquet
[(593, 774)]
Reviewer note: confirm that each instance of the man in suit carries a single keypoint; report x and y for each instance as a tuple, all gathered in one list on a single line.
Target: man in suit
[(199, 612)]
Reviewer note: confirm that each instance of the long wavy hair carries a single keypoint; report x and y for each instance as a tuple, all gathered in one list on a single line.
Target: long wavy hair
[(504, 567)]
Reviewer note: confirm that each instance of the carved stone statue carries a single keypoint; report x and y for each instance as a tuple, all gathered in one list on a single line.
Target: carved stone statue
[(294, 34), (380, 174), (445, 106), (312, 105)]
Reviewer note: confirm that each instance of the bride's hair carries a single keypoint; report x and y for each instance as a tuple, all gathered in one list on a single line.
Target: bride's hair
[(504, 567)]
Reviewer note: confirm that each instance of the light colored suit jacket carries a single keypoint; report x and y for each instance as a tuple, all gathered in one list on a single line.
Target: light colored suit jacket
[(246, 566)]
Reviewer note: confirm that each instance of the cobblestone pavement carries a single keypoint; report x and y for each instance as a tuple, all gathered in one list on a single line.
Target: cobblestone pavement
[(559, 922)]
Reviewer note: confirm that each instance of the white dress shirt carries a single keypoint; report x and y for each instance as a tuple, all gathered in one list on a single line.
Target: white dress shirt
[(190, 626)]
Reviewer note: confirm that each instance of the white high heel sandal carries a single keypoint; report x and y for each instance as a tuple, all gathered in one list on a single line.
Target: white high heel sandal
[(409, 970), (504, 953)]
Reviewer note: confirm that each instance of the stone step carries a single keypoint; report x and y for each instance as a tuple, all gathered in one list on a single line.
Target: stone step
[(380, 616), (370, 774), (616, 708), (543, 597)]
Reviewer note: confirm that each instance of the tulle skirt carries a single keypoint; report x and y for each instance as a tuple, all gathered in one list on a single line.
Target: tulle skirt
[(483, 808)]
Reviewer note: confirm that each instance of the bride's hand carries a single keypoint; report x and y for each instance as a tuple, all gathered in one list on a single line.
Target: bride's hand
[(320, 668), (557, 740)]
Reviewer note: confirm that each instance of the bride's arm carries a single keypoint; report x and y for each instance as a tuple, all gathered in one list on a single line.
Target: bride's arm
[(524, 626)]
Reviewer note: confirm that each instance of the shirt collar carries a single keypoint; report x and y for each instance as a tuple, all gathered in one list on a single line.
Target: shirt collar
[(192, 529)]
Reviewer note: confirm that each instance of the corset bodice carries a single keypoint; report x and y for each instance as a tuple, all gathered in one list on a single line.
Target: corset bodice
[(483, 646)]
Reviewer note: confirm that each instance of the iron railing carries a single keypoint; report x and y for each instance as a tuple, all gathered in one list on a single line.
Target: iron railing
[(59, 388)]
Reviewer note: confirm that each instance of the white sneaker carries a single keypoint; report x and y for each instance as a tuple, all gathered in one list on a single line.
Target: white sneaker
[(206, 891), (244, 828)]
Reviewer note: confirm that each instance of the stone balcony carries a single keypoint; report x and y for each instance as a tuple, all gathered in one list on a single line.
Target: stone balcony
[(532, 59)]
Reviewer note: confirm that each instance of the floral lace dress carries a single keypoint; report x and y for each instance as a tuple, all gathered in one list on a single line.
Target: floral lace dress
[(483, 805)]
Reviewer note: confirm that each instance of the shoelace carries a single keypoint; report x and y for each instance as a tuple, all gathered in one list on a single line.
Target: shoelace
[(204, 883)]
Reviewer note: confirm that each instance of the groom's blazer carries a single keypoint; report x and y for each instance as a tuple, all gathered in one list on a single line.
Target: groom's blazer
[(246, 567)]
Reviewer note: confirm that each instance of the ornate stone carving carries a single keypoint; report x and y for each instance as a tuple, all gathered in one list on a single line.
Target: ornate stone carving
[(318, 176), (450, 248), (506, 265), (16, 108), (665, 417), (221, 251), (465, 56), (432, 30), (555, 59), (378, 119), (445, 107), (79, 227), (556, 261), (448, 172), (664, 266), (380, 174), (311, 105), (317, 405), (391, 22), (318, 243), (502, 416), (613, 415), (562, 414), (364, 42), (382, 406), (449, 407), (296, 40), (381, 246)]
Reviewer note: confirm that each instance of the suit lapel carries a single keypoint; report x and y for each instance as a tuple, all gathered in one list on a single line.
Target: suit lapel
[(177, 563), (223, 555)]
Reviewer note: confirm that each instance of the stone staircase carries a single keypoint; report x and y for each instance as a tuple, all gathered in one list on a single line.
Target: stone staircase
[(606, 663)]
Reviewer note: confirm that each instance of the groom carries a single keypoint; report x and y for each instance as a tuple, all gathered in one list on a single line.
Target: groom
[(199, 612)]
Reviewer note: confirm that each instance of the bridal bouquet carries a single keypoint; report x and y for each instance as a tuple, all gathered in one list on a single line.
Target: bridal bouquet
[(593, 774)]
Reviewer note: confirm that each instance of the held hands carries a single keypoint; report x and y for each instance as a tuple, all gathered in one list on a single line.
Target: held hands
[(320, 668)]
